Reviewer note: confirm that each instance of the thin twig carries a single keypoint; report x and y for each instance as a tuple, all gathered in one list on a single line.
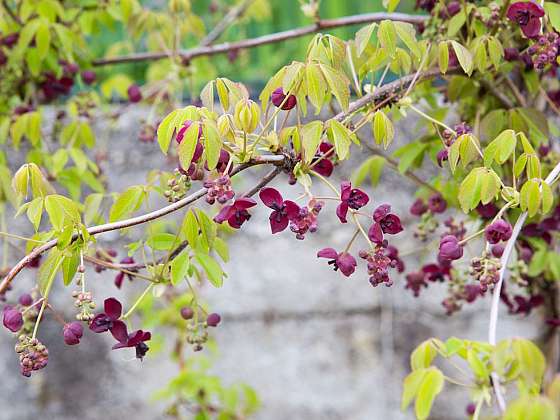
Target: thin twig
[(225, 47), (226, 22)]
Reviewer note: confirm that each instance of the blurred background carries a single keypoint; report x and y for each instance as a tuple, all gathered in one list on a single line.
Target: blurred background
[(312, 343)]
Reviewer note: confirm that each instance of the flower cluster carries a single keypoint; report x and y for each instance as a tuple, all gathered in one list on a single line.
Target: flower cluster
[(33, 355), (545, 50), (306, 219), (219, 190)]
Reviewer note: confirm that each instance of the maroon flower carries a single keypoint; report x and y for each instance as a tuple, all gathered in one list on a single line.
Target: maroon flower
[(187, 313), (497, 250), (134, 93), (471, 292), (526, 305), (236, 214), (135, 339), (418, 208), (511, 54), (322, 164), (284, 210), (527, 15), (181, 135), (390, 223), (350, 198), (450, 249), (343, 261), (498, 231), (213, 319), (437, 204), (72, 333), (278, 97), (106, 321), (88, 77), (415, 281), (25, 299), (12, 319), (487, 211), (442, 156), (435, 272)]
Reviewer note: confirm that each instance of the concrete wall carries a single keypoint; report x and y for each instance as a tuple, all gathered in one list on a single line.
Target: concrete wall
[(314, 344)]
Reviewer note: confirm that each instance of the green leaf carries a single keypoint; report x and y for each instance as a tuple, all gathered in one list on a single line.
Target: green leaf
[(496, 51), (212, 143), (530, 197), (372, 166), (362, 38), (91, 207), (338, 85), (456, 23), (410, 154), (423, 355), (387, 35), (162, 241), (127, 203), (212, 269), (316, 86), (531, 407), (411, 385), (190, 228), (310, 135), (477, 366), (188, 145), (62, 211), (208, 229), (165, 131), (221, 248), (463, 56), (383, 130), (35, 212), (70, 267), (43, 39), (531, 363), (431, 386), (341, 139), (443, 56), (539, 262), (179, 268), (547, 197), (553, 11), (501, 148), (407, 35), (47, 271)]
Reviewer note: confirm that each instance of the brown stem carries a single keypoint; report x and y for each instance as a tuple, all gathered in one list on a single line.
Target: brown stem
[(225, 47), (274, 159)]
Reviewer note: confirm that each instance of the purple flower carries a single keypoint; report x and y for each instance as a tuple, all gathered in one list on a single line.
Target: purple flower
[(415, 281), (181, 135), (526, 305), (322, 163), (471, 292), (511, 54), (487, 211), (187, 313), (135, 339), (134, 93), (527, 15), (442, 156), (88, 77), (72, 333), (393, 254), (106, 321), (25, 300), (418, 208), (121, 274), (390, 223), (284, 210), (13, 320), (498, 231), (437, 204), (350, 198), (278, 97), (236, 214), (343, 261), (213, 319), (450, 249), (435, 272)]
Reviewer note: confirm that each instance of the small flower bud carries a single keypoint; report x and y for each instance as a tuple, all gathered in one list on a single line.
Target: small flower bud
[(247, 115), (213, 320), (187, 313), (72, 332), (13, 320)]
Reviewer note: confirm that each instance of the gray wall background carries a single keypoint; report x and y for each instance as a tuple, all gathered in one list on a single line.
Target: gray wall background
[(314, 344)]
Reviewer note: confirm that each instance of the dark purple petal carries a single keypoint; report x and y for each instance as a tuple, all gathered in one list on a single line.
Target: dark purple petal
[(119, 331), (271, 198), (381, 211), (100, 323), (327, 253), (324, 167), (342, 211), (225, 213), (375, 233), (292, 209), (449, 248), (345, 189), (278, 222), (113, 308), (498, 231), (244, 203), (391, 224)]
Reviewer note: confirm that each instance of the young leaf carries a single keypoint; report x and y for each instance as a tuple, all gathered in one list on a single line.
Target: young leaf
[(383, 130), (341, 139), (212, 269), (463, 56), (179, 268), (423, 355), (431, 386), (188, 145), (443, 56), (126, 203)]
